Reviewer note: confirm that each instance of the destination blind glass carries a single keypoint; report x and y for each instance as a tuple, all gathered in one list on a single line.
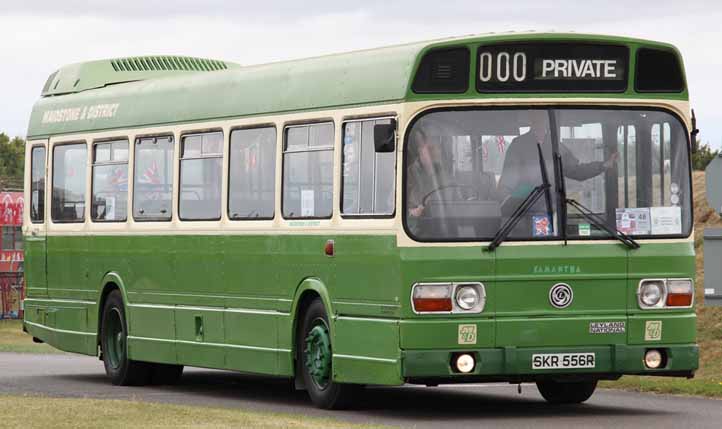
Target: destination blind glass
[(556, 67)]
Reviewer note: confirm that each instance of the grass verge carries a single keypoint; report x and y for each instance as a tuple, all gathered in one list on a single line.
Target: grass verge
[(13, 339), (43, 412)]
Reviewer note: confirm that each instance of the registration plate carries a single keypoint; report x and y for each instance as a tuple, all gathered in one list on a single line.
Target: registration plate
[(562, 360)]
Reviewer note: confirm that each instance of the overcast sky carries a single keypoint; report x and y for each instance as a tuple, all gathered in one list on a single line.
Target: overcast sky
[(41, 35)]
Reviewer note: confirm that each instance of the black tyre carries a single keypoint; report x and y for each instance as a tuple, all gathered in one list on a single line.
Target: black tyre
[(557, 392), (314, 350), (114, 345), (163, 374)]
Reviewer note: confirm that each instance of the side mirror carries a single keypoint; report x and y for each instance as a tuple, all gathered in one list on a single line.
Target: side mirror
[(385, 137)]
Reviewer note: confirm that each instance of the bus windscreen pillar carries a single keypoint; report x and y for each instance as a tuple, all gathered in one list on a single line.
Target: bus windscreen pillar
[(713, 237)]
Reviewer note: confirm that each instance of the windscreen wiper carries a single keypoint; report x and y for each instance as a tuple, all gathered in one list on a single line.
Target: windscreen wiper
[(588, 214), (525, 205)]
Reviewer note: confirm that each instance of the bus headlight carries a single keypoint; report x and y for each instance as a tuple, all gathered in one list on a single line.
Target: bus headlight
[(665, 293), (467, 297), (651, 293), (448, 298)]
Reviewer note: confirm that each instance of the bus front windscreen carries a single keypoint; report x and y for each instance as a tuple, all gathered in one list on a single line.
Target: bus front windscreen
[(468, 170)]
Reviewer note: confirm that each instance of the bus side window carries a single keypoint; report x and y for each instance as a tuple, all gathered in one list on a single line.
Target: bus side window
[(308, 171), (367, 176), (252, 170), (37, 185), (200, 176), (153, 178), (68, 188), (109, 198)]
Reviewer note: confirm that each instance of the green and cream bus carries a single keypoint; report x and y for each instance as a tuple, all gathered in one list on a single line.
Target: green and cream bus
[(507, 208)]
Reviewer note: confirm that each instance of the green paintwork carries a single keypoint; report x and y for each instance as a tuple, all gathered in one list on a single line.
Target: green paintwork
[(514, 363), (233, 301), (366, 77), (318, 354), (246, 305), (81, 77)]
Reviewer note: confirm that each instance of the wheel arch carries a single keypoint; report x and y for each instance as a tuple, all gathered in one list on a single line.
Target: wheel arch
[(111, 281), (306, 291)]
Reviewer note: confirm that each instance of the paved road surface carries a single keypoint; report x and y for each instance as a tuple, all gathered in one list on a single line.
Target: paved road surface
[(447, 406)]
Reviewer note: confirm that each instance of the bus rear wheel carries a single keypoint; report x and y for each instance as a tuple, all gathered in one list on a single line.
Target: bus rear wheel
[(315, 361), (560, 392), (114, 345)]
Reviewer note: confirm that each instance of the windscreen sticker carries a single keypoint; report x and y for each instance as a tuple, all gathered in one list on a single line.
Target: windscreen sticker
[(541, 225), (666, 220), (585, 230), (633, 221)]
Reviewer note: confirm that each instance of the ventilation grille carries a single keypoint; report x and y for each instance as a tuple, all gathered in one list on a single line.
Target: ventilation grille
[(166, 63)]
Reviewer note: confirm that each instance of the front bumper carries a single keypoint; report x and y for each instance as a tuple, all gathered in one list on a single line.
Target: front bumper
[(514, 364)]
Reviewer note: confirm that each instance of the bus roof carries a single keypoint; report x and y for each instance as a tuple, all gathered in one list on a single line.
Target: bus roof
[(155, 90)]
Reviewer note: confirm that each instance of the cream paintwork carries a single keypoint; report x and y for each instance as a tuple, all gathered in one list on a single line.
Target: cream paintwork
[(404, 112)]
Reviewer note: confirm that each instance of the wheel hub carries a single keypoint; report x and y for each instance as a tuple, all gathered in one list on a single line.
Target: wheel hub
[(318, 354), (114, 339)]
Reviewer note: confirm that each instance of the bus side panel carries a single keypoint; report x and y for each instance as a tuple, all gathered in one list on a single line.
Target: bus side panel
[(375, 360), (255, 303), (63, 326), (35, 274), (200, 337), (252, 273), (69, 267), (197, 293), (150, 280), (256, 350), (151, 334), (368, 275)]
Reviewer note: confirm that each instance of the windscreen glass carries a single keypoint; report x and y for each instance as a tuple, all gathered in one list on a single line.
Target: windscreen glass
[(468, 171)]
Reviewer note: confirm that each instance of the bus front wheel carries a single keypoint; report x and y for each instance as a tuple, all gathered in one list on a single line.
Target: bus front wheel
[(114, 345), (315, 361), (559, 392)]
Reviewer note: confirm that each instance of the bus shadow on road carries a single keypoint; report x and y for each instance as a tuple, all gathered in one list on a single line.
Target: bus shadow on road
[(229, 389), (220, 388)]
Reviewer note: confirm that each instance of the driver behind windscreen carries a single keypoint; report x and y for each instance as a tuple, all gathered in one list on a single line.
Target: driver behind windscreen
[(426, 172), (521, 172)]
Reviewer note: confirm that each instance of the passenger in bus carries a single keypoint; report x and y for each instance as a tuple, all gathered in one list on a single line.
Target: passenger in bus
[(521, 172)]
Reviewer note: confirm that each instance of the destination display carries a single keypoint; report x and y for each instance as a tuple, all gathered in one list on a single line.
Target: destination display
[(552, 67)]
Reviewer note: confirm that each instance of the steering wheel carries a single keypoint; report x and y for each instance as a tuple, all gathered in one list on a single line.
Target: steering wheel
[(451, 186)]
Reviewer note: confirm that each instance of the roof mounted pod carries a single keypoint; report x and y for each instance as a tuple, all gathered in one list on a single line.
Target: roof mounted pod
[(97, 74)]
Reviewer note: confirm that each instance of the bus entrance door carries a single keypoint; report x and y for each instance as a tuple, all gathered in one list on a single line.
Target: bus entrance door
[(36, 221)]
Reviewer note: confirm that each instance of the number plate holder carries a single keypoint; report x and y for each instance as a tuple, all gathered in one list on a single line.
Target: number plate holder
[(541, 361)]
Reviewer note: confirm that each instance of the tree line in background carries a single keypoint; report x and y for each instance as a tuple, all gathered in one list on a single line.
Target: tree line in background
[(12, 162), (702, 155)]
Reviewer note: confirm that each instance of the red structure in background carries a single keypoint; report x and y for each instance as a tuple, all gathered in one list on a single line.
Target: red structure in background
[(12, 290)]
